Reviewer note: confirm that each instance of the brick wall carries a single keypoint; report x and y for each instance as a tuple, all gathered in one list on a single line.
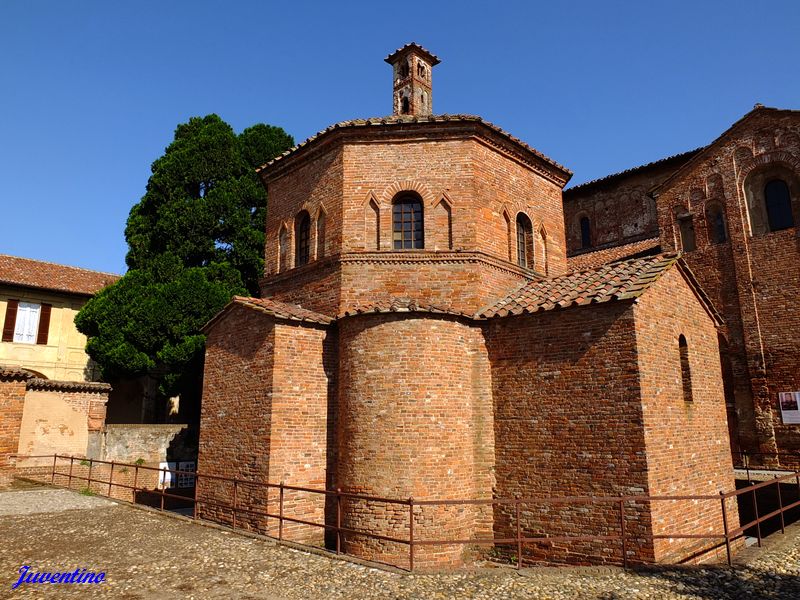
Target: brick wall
[(415, 420), (687, 442), (753, 277), (568, 422), (12, 401), (265, 414)]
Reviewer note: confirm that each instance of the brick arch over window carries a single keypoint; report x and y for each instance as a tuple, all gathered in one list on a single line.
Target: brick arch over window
[(302, 238), (408, 221), (772, 192), (409, 185), (524, 241)]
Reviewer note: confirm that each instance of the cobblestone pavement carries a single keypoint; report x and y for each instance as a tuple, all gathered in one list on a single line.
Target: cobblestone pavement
[(148, 555)]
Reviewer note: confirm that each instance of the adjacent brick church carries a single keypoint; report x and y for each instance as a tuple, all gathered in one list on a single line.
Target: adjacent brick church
[(731, 208), (421, 332)]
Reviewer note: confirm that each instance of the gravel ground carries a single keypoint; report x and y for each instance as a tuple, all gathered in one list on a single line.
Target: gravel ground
[(148, 555)]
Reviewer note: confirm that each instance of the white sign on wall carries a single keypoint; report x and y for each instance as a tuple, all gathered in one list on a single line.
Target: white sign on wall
[(790, 407)]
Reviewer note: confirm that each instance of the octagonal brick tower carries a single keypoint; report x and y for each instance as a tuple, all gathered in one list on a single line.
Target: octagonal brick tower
[(487, 210)]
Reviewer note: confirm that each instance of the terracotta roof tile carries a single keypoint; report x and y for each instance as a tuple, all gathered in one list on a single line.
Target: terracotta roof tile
[(273, 308), (678, 159), (398, 305), (283, 310), (432, 58), (616, 281), (38, 383), (31, 273), (15, 372), (396, 120)]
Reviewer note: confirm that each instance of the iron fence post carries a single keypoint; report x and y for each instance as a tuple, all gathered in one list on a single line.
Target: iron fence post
[(410, 533), (746, 464), (89, 479), (338, 520), (780, 504), (53, 475), (135, 481), (758, 523), (71, 462), (622, 533), (235, 482), (164, 482), (110, 478), (725, 527), (519, 534), (280, 511)]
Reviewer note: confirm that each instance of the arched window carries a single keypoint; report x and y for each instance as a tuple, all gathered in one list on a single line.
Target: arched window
[(404, 69), (717, 232), (408, 230), (404, 105), (686, 372), (586, 232), (321, 234), (302, 238), (686, 229), (779, 205), (524, 241)]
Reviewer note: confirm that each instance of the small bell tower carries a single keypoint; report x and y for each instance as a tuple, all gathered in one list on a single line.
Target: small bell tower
[(411, 69)]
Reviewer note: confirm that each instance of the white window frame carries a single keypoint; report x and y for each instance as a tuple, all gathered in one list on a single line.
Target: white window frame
[(26, 326)]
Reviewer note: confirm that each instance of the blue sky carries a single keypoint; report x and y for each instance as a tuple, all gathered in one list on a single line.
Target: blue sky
[(92, 90)]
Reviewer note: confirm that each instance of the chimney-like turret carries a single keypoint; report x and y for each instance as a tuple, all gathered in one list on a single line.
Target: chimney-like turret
[(411, 68)]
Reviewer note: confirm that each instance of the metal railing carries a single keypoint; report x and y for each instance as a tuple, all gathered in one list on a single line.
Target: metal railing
[(623, 537)]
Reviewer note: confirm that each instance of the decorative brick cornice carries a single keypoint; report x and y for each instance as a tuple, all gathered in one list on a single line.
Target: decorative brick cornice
[(52, 385), (421, 127)]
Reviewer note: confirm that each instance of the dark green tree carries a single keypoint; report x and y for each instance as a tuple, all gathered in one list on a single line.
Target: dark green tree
[(203, 202), (195, 239)]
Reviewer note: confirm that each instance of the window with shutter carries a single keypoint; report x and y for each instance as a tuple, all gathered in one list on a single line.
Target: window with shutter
[(27, 325)]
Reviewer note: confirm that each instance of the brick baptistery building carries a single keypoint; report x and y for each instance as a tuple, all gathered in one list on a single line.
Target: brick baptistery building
[(421, 333)]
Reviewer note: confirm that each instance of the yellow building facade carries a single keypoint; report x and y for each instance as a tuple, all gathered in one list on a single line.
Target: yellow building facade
[(38, 304)]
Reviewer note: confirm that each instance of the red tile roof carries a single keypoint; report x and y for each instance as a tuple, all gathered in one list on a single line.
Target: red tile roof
[(31, 273), (621, 280), (14, 372), (677, 161), (432, 58), (399, 305), (400, 120), (273, 308), (68, 386)]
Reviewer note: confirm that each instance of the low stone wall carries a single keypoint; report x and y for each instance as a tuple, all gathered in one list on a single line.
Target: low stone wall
[(152, 443)]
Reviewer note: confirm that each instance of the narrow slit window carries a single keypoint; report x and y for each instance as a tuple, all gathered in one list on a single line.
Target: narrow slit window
[(686, 371), (524, 241)]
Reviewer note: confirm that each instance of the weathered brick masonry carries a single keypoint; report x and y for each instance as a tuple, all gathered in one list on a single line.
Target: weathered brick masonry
[(421, 334), (747, 266)]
